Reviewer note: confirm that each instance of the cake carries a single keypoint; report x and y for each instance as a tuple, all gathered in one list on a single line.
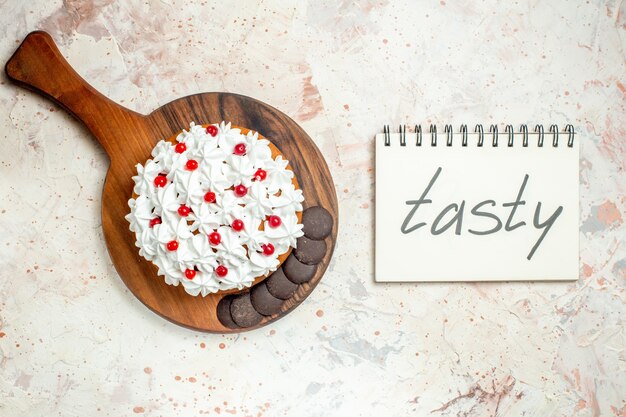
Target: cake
[(216, 208)]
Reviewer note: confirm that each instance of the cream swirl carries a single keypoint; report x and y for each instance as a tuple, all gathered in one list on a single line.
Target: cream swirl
[(203, 284), (288, 201), (202, 209), (262, 264), (239, 170), (277, 174), (239, 276), (286, 234), (145, 176)]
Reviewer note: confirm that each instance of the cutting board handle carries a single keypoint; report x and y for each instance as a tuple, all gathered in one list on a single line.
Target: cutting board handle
[(38, 65)]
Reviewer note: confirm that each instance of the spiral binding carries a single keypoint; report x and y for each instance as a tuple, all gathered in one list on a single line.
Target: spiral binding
[(480, 131)]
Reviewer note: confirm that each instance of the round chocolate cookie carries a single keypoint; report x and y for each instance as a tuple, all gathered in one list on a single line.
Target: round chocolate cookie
[(223, 312), (296, 271), (317, 223), (264, 302), (242, 311), (309, 251), (279, 286)]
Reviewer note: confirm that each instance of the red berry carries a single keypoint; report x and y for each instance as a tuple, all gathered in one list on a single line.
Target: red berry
[(240, 149), (268, 249), (274, 221), (155, 221), (180, 148), (215, 238), (172, 245), (260, 174), (240, 190), (183, 210), (190, 273), (212, 130), (221, 271), (191, 165), (237, 225), (209, 197), (160, 180)]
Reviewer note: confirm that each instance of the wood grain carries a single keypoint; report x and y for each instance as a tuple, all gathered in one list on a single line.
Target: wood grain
[(128, 138)]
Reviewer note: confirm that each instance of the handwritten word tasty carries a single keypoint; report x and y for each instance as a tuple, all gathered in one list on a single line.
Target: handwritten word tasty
[(481, 209)]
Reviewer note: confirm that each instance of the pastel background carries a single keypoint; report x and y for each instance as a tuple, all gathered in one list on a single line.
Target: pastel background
[(74, 341)]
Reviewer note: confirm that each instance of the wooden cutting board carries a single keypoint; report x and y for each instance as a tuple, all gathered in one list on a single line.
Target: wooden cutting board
[(128, 138)]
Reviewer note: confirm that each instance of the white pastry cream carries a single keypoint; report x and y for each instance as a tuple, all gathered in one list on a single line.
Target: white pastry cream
[(215, 210)]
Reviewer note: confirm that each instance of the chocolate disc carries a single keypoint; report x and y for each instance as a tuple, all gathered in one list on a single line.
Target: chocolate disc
[(296, 271), (317, 223), (309, 251), (264, 302), (223, 312), (279, 286), (242, 311)]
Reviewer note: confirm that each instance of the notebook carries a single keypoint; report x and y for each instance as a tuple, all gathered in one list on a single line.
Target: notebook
[(477, 205)]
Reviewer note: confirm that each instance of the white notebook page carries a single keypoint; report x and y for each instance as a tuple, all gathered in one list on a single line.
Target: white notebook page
[(415, 241)]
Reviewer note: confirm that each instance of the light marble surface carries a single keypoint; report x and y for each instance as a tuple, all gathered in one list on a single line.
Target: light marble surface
[(74, 341)]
